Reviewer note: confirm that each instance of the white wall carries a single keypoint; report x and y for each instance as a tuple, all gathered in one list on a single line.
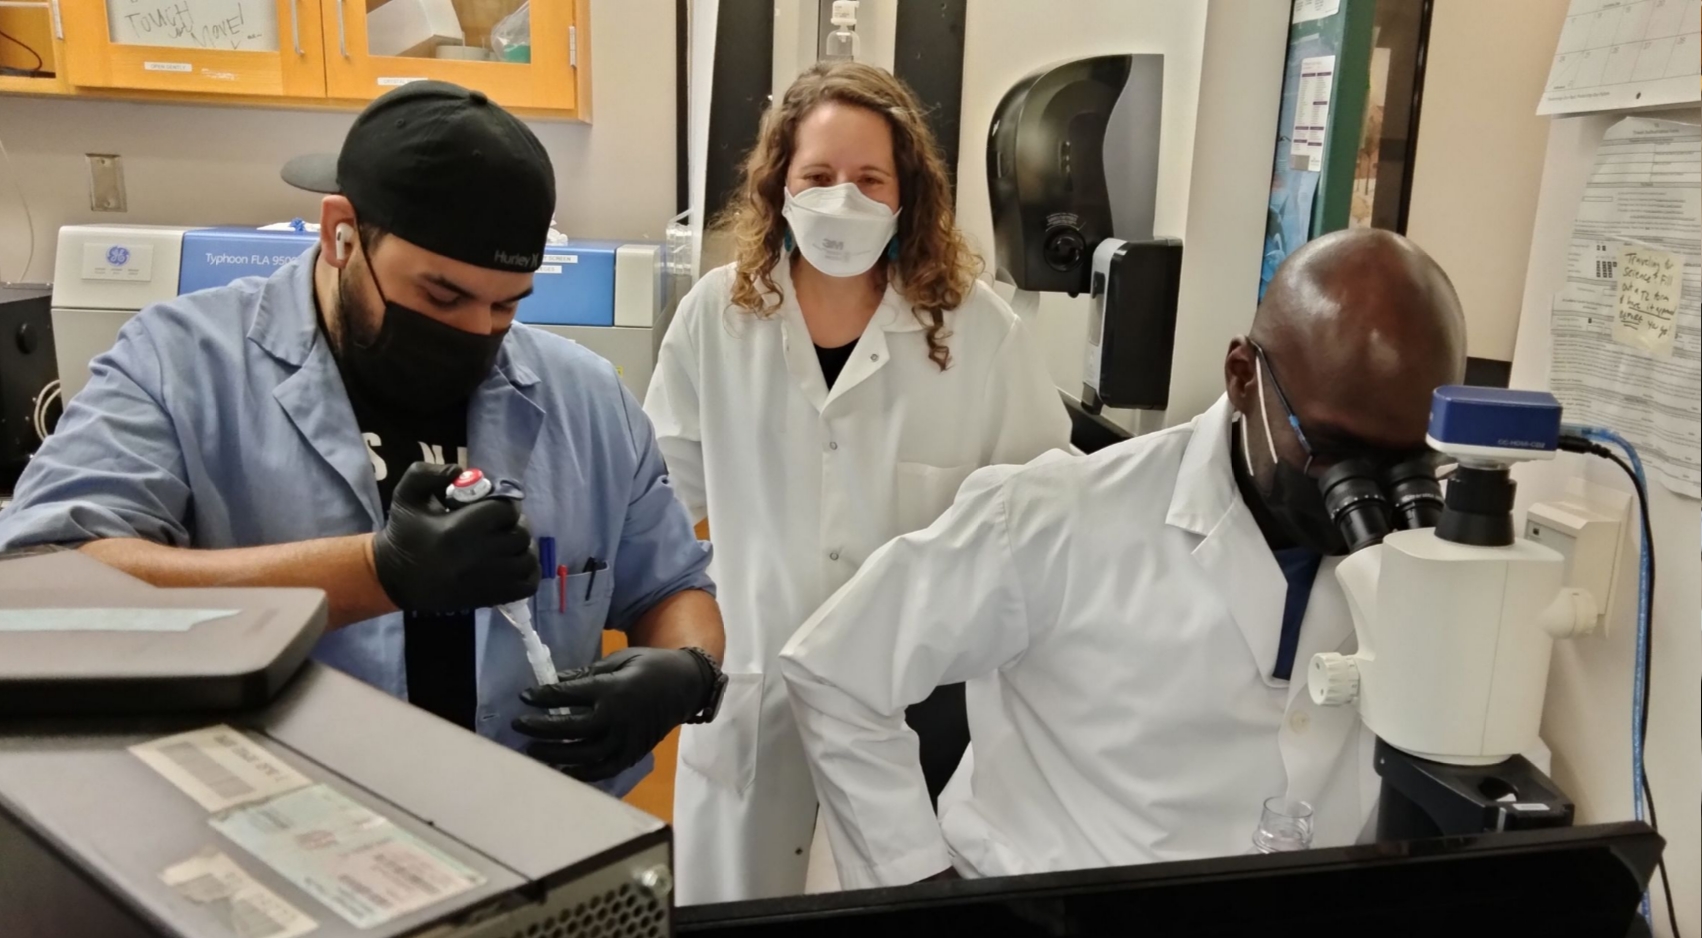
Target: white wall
[(1587, 719), (1228, 191), (1222, 76), (1480, 153), (191, 164)]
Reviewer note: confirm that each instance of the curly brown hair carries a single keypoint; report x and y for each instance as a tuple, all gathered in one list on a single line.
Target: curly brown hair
[(935, 270)]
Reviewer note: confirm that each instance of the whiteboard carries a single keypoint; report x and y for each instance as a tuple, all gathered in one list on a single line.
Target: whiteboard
[(227, 25)]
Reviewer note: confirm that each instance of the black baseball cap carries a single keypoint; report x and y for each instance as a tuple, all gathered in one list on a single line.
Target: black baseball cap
[(447, 169)]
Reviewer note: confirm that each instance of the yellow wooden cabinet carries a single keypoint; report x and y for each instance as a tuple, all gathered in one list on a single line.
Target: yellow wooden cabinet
[(33, 47), (551, 78), (304, 53), (218, 47)]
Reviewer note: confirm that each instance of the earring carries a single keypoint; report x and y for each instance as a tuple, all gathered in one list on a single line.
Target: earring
[(892, 250), (786, 243)]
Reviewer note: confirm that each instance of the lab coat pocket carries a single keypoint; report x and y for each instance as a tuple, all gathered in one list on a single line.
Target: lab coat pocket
[(924, 492), (724, 750), (572, 613)]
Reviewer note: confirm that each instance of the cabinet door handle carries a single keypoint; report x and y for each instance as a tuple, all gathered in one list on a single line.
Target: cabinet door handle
[(58, 24), (295, 24), (342, 35)]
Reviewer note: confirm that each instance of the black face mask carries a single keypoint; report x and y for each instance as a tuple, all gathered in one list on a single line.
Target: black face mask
[(1291, 499), (416, 364), (1297, 504)]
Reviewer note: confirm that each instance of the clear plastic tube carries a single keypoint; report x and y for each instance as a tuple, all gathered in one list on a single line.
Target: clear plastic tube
[(519, 615)]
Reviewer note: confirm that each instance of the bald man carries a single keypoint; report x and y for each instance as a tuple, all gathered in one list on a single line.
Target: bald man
[(1129, 622)]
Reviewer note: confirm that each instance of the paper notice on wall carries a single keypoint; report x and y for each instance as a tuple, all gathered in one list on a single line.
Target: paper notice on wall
[(1620, 54), (1627, 324), (1306, 11), (352, 859), (1312, 112)]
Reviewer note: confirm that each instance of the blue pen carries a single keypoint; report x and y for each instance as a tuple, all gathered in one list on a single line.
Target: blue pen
[(547, 556), (547, 564)]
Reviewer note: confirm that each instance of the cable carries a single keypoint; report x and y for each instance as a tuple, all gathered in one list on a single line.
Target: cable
[(39, 64), (1661, 861), (50, 392), (29, 222), (1585, 442), (1648, 680)]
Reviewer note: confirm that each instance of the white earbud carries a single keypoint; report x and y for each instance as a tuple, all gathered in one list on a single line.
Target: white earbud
[(345, 234)]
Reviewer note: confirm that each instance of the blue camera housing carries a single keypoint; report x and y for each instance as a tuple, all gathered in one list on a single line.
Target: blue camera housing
[(1525, 422)]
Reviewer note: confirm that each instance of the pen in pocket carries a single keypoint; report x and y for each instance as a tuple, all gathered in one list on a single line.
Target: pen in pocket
[(592, 565)]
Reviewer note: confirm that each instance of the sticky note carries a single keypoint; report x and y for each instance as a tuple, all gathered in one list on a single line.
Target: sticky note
[(1646, 307)]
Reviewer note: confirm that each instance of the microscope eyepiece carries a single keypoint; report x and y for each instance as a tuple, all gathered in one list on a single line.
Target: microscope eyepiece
[(1356, 503), (1414, 492)]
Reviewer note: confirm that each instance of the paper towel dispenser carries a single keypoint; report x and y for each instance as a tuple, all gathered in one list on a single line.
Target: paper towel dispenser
[(1072, 159)]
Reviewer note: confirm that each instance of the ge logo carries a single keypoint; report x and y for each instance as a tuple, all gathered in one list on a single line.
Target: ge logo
[(117, 255)]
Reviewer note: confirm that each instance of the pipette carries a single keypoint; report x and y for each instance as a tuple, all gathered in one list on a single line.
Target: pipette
[(469, 487)]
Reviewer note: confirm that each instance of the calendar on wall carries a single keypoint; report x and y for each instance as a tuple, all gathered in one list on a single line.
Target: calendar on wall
[(1619, 54)]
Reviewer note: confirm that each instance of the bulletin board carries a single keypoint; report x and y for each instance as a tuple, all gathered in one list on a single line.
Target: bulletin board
[(1348, 121)]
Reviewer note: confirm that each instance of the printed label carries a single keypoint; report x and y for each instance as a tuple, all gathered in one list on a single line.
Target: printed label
[(108, 261), (167, 67), (219, 767), (361, 866), (247, 909), (392, 81), (107, 620)]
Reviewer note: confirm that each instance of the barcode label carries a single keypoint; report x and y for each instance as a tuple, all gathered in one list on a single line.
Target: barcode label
[(219, 767), (209, 773), (246, 908)]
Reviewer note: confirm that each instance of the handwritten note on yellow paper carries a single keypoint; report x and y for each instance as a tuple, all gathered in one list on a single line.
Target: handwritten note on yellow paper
[(1646, 313)]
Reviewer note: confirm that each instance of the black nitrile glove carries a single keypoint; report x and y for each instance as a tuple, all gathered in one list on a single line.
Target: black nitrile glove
[(432, 559), (619, 709)]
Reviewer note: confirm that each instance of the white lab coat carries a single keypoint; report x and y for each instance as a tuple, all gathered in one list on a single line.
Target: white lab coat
[(1117, 618), (800, 485)]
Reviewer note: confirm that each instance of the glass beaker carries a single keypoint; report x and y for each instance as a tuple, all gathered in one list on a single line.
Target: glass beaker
[(1284, 825)]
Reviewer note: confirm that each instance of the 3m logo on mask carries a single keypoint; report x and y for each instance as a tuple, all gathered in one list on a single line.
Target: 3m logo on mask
[(832, 245), (528, 261)]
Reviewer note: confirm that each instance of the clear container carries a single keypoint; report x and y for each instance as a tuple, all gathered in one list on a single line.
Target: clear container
[(1284, 826), (679, 246), (841, 44)]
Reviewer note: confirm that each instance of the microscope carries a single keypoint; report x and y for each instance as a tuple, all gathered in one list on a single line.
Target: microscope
[(1072, 174), (1456, 618)]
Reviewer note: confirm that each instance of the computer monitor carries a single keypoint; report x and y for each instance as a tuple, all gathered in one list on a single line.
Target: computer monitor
[(1560, 881)]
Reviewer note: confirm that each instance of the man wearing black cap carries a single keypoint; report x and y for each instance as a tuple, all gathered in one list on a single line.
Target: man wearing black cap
[(301, 430)]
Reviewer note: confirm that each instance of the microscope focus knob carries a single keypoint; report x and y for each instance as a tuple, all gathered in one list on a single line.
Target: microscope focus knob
[(1333, 679)]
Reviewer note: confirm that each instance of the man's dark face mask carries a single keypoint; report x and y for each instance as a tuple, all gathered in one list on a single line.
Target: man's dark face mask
[(410, 362), (1290, 496)]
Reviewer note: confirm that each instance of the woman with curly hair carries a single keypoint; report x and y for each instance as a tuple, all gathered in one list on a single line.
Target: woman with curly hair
[(822, 394)]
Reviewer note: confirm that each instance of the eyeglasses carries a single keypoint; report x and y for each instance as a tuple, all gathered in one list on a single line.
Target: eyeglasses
[(1324, 458), (1287, 409)]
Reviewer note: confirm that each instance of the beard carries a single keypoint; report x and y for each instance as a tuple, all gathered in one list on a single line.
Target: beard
[(355, 322)]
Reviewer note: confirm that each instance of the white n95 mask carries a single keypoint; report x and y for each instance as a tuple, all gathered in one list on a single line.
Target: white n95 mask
[(841, 231)]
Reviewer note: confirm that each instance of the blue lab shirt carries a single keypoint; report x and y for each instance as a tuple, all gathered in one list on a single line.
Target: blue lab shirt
[(1299, 567), (219, 420)]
